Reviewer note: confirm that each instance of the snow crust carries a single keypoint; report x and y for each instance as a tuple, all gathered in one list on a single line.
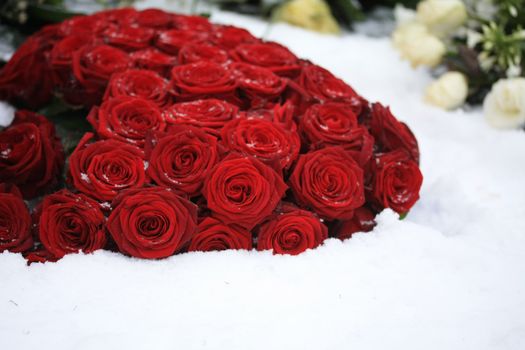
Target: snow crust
[(450, 276)]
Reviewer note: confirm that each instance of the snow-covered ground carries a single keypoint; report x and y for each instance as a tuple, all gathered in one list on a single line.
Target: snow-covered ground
[(450, 276)]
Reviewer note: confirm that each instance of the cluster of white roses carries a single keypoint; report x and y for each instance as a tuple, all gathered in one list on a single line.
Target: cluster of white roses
[(421, 38)]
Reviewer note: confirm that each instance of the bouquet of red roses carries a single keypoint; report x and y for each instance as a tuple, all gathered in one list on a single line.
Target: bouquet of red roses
[(203, 138)]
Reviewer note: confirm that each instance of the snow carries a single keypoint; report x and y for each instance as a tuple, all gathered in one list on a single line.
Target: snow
[(7, 113), (450, 276)]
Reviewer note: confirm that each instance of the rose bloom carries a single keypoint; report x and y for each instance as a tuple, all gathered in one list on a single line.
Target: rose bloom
[(333, 124), (182, 158), (83, 25), (291, 231), (104, 168), (92, 68), (269, 142), (203, 80), (139, 83), (212, 235), (396, 181), (242, 191), (39, 255), (260, 85), (329, 182), (61, 57), (391, 134), (154, 60), (151, 223), (208, 114), (443, 17), (68, 223), (504, 106), (362, 221), (192, 23), (171, 41), (129, 38), (272, 56), (126, 119), (31, 155), (15, 221), (282, 114), (448, 92), (417, 45), (195, 52), (229, 37), (154, 18)]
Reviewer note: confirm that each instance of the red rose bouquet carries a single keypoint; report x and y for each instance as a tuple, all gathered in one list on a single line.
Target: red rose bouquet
[(202, 137)]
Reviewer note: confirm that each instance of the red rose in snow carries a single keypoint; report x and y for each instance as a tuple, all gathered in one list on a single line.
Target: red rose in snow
[(291, 231), (140, 83), (154, 18), (171, 41), (68, 223), (243, 191), (259, 84), (396, 181), (151, 223), (192, 23), (269, 142), (120, 16), (363, 221), (15, 221), (229, 37), (126, 119), (154, 60), (93, 66), (330, 182), (333, 124), (104, 168), (390, 134), (129, 38), (209, 114), (27, 79), (40, 255), (214, 235), (203, 80), (31, 155), (182, 158), (272, 56), (195, 52)]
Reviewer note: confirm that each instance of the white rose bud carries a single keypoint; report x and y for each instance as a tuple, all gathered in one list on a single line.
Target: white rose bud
[(448, 92), (442, 16), (309, 14), (504, 106), (417, 45)]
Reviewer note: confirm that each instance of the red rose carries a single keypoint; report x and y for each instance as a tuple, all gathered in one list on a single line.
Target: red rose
[(61, 56), (195, 52), (140, 83), (396, 181), (390, 134), (317, 84), (208, 114), (203, 80), (192, 23), (31, 155), (129, 38), (273, 56), (363, 221), (259, 84), (282, 114), (269, 142), (243, 191), (119, 16), (214, 235), (330, 182), (39, 256), (15, 221), (182, 158), (333, 124), (104, 168), (92, 67), (83, 25), (154, 18), (151, 223), (154, 60), (69, 223), (126, 119), (27, 78), (229, 37), (292, 231), (171, 41)]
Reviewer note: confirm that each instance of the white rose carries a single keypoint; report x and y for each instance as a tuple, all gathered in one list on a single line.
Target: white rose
[(442, 16), (309, 14), (417, 45), (504, 106), (448, 92)]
